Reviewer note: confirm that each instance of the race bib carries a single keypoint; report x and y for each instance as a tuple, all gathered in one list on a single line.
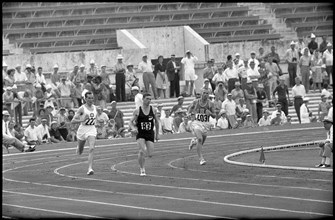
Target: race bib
[(90, 120), (146, 126), (202, 117)]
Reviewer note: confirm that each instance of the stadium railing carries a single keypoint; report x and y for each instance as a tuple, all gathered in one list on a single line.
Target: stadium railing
[(254, 37)]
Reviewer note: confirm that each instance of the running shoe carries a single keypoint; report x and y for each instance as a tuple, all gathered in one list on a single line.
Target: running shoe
[(192, 144), (202, 162), (142, 172), (30, 148), (325, 165), (90, 172), (319, 165)]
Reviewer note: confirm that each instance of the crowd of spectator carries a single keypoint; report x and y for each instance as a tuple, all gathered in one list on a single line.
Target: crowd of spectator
[(238, 88)]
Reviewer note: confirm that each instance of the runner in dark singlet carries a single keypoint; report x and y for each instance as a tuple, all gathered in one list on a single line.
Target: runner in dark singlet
[(142, 123)]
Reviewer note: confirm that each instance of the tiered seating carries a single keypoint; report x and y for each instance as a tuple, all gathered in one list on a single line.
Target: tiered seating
[(44, 26), (306, 18)]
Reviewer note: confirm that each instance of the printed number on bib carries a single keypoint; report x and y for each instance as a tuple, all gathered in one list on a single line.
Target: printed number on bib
[(202, 118), (146, 126)]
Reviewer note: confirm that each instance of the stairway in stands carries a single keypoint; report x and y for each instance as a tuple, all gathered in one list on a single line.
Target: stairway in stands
[(128, 107)]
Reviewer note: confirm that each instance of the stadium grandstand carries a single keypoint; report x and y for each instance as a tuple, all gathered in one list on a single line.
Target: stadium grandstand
[(74, 33)]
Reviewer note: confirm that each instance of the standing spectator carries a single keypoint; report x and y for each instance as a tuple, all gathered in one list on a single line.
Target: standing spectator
[(306, 115), (316, 61), (55, 77), (55, 135), (279, 114), (304, 64), (326, 147), (161, 78), (231, 75), (252, 72), (237, 93), (251, 99), (298, 93), (76, 93), (283, 95), (82, 75), (31, 79), (106, 81), (328, 60), (223, 122), (188, 65), (275, 58), (101, 123), (43, 131), (292, 57), (9, 79), (7, 98), (273, 75), (148, 75), (74, 74), (31, 133), (177, 106), (117, 115), (40, 79), (39, 95), (220, 91), (99, 91), (240, 109), (120, 79), (138, 97), (18, 98), (243, 74), (265, 120), (261, 55), (323, 108), (20, 77), (300, 45), (239, 61), (93, 70), (131, 79), (261, 99), (65, 88), (264, 78), (229, 106), (253, 59), (173, 71), (323, 45), (41, 115), (209, 73), (312, 46), (49, 114), (219, 77)]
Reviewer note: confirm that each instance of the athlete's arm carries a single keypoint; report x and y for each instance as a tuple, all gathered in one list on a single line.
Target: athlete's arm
[(191, 108), (156, 124), (211, 111), (132, 123), (79, 113)]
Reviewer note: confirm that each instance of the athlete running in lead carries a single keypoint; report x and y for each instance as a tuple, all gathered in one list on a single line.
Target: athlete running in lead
[(203, 108), (86, 116), (142, 124)]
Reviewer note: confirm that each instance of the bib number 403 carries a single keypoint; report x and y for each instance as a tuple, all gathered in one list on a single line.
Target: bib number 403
[(202, 118)]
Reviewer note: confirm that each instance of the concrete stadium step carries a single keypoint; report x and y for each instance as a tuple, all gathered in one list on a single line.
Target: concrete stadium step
[(128, 107)]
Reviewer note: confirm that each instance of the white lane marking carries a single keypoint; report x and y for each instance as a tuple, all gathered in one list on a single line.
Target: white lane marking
[(294, 178), (117, 205), (49, 210), (169, 140), (220, 181)]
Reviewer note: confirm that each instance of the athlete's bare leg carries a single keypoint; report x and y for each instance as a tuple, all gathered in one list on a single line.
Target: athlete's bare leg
[(91, 142), (199, 135), (142, 151), (81, 145), (150, 148)]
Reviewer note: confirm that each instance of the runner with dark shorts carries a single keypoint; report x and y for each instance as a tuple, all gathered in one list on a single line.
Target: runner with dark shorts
[(142, 124)]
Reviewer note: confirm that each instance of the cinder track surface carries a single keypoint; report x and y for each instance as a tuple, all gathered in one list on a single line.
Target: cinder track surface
[(52, 181)]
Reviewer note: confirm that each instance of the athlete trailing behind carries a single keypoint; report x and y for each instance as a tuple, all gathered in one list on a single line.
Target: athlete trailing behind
[(203, 108), (86, 116), (142, 124)]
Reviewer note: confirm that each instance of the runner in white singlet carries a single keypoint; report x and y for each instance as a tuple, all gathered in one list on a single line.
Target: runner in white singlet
[(86, 116)]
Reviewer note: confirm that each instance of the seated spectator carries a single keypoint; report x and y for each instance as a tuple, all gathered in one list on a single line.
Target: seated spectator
[(39, 95), (326, 147), (41, 114), (49, 114), (8, 141), (49, 96), (288, 120), (11, 130), (111, 129), (249, 122), (277, 120), (178, 119), (18, 132), (221, 91), (240, 108), (138, 97), (167, 123), (100, 91), (323, 109), (62, 121), (55, 135), (222, 121), (217, 107), (27, 102), (116, 114), (306, 115), (9, 79), (325, 91), (185, 125), (281, 113), (265, 120), (207, 86), (101, 122), (31, 133), (43, 131), (7, 98), (237, 93), (161, 111), (71, 127), (219, 76)]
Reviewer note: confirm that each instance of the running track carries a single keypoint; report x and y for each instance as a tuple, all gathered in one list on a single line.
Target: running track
[(52, 181)]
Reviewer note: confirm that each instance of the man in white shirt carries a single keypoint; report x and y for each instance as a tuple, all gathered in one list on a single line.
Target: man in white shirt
[(31, 133), (298, 93), (231, 75), (148, 76), (252, 72), (188, 63), (229, 105), (40, 79), (43, 131), (138, 97), (273, 74), (280, 112), (306, 115), (239, 62), (265, 120), (292, 58), (65, 91), (253, 58), (167, 123), (328, 60), (20, 77), (219, 76), (222, 121)]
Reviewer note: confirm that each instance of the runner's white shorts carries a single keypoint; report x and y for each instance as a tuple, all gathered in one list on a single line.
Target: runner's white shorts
[(201, 126), (85, 131)]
